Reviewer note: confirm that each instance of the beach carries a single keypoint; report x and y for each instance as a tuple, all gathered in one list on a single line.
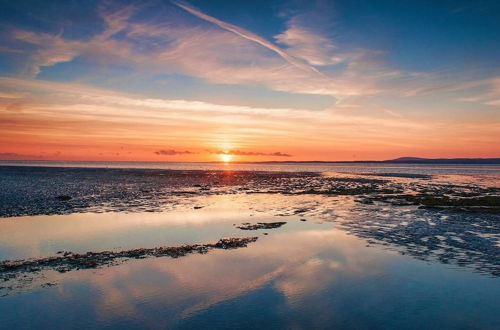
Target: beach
[(232, 247)]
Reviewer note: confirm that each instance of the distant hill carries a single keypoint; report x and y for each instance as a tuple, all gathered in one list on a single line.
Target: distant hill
[(416, 160)]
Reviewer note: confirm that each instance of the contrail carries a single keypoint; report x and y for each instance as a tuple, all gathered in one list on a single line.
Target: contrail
[(247, 35)]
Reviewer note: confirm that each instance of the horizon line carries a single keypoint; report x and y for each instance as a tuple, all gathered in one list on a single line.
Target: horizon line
[(398, 160)]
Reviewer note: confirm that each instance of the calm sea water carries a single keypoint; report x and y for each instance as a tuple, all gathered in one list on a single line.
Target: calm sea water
[(335, 270), (277, 167)]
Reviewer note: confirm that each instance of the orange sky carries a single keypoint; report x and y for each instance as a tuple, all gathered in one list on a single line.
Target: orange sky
[(77, 122), (188, 86)]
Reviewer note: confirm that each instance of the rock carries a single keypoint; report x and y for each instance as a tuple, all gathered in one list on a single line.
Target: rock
[(10, 269), (261, 225)]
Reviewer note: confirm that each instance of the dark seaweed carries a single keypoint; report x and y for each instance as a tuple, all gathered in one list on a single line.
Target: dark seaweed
[(67, 261), (261, 225)]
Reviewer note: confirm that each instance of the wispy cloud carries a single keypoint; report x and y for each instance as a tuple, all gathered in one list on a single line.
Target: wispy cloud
[(247, 35), (91, 116), (85, 98), (225, 55), (54, 49), (309, 46), (173, 152), (13, 95), (10, 50), (308, 34), (485, 91), (379, 105)]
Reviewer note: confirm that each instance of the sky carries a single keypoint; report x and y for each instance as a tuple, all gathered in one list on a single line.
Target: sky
[(218, 80)]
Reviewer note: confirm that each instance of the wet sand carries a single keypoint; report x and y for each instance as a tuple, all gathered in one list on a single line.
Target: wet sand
[(71, 221), (450, 222)]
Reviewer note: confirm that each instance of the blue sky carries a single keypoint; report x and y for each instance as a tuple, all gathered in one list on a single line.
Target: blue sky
[(428, 64)]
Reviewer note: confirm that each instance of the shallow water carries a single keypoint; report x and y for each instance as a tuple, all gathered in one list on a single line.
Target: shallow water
[(359, 260), (492, 170)]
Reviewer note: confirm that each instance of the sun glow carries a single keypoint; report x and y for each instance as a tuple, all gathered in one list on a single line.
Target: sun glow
[(226, 158)]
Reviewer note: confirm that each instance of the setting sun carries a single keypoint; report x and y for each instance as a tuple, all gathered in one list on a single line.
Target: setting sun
[(226, 158), (312, 158)]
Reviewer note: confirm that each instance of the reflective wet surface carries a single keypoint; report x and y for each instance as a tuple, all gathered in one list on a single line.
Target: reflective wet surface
[(350, 251)]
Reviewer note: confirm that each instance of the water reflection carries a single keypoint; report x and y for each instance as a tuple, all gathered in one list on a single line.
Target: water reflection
[(448, 237), (299, 278), (28, 237), (291, 261)]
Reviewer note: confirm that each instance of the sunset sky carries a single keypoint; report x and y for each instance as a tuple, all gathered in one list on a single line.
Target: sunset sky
[(249, 80)]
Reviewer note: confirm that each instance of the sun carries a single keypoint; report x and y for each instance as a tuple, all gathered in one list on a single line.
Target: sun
[(226, 158)]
